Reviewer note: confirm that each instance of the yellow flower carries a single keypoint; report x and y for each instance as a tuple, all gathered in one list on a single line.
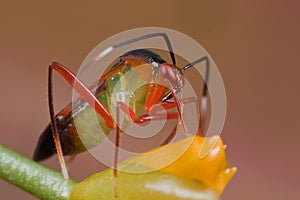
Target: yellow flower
[(193, 168), (196, 158)]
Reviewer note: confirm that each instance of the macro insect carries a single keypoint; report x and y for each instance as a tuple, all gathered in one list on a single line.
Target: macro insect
[(133, 105)]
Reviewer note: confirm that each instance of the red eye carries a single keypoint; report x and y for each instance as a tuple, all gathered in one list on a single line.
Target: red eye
[(173, 76), (168, 72)]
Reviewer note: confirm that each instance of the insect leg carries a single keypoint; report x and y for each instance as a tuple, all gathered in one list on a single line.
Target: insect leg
[(117, 144), (154, 94), (147, 117), (55, 133), (167, 97), (144, 118), (86, 95), (122, 106), (84, 92), (171, 136), (172, 104), (155, 116)]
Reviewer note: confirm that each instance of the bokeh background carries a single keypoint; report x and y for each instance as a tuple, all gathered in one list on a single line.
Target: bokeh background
[(254, 43)]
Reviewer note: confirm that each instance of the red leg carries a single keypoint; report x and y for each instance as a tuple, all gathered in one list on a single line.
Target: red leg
[(86, 95), (170, 105), (144, 118), (127, 110), (55, 131), (84, 92), (203, 108), (117, 144), (147, 117), (177, 103), (171, 136), (154, 95)]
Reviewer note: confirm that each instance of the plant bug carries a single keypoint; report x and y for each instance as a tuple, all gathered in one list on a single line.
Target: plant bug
[(98, 97)]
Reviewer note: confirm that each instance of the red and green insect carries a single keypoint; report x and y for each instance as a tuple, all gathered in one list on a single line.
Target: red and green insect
[(113, 86)]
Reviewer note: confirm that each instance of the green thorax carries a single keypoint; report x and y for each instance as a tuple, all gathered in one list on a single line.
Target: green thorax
[(129, 85)]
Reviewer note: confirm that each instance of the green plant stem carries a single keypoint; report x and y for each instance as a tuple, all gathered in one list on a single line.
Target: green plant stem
[(32, 177)]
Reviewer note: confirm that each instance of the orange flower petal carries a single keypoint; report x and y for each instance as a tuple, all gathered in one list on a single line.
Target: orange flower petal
[(196, 158)]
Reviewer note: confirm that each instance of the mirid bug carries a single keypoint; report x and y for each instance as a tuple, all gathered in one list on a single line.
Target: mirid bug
[(133, 105)]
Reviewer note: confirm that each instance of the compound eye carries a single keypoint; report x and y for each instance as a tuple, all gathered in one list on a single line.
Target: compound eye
[(168, 72), (172, 76)]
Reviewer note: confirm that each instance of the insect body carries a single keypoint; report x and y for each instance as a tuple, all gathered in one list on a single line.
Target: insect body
[(125, 94), (152, 67)]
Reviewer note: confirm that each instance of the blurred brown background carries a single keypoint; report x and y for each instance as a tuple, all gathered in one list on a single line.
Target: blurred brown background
[(255, 44)]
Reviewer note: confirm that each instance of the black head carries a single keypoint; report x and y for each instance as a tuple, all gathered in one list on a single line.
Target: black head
[(144, 54)]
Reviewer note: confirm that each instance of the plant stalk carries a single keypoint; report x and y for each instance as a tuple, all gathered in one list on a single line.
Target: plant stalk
[(32, 177)]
